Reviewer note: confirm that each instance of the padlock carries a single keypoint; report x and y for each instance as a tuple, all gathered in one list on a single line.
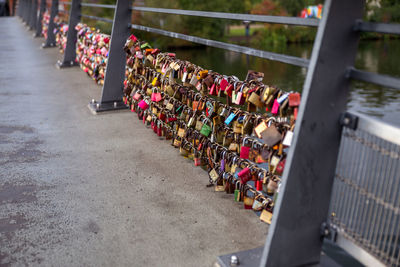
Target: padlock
[(229, 186), (213, 175), (239, 96), (248, 201), (280, 167), (207, 127), (271, 136), (287, 140), (181, 132), (245, 148), (224, 112), (197, 158), (199, 123), (261, 126), (254, 99), (244, 175), (237, 193), (266, 216), (156, 95), (258, 203), (248, 124), (275, 107), (271, 186), (230, 118), (202, 74), (176, 142), (143, 104), (237, 126)]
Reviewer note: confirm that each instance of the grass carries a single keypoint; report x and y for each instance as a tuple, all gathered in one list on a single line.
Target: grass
[(239, 31)]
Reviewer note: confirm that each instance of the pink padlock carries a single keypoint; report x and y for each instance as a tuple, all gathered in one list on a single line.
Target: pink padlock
[(143, 105), (156, 97), (275, 107)]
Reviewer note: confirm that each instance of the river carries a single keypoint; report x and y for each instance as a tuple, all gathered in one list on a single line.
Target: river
[(376, 56)]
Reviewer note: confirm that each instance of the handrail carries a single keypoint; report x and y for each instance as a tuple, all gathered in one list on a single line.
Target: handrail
[(377, 27), (98, 5), (378, 79), (97, 18), (233, 16), (378, 128), (301, 62)]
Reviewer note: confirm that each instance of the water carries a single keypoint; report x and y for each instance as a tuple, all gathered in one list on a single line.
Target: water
[(375, 56)]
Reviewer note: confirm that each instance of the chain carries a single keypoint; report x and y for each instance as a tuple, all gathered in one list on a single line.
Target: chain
[(383, 151), (363, 191)]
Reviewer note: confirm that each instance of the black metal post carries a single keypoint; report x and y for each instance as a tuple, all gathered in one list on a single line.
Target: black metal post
[(26, 11), (33, 17), (29, 16), (19, 9), (111, 95), (51, 39), (70, 48), (23, 7), (295, 236), (42, 9)]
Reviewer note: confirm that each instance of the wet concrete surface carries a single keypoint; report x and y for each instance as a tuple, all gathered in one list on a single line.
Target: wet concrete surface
[(84, 190)]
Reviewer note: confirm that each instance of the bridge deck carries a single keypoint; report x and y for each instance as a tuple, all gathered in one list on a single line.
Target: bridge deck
[(78, 189)]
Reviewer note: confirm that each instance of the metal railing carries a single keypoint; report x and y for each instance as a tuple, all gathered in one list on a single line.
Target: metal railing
[(364, 215), (340, 163), (365, 205)]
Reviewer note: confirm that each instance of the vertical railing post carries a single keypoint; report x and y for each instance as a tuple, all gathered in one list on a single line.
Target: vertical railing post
[(294, 236), (33, 17), (26, 11), (42, 9), (70, 47), (19, 9), (111, 95), (23, 7), (51, 39), (28, 22)]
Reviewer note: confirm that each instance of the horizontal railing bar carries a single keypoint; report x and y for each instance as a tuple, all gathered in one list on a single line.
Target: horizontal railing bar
[(378, 27), (378, 128), (379, 79), (232, 47), (233, 16), (98, 5), (97, 18), (359, 253)]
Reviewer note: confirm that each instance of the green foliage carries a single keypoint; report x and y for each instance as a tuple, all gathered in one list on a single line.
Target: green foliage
[(277, 36), (388, 11)]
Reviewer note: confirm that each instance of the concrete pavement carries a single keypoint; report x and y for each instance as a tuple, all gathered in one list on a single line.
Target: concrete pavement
[(84, 190)]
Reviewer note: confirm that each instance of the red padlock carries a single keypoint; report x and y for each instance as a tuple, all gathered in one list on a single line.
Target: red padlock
[(259, 185), (280, 167), (245, 149), (159, 131), (224, 83), (244, 175)]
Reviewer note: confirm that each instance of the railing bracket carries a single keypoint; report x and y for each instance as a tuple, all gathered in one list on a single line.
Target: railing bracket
[(97, 107), (328, 231), (349, 120)]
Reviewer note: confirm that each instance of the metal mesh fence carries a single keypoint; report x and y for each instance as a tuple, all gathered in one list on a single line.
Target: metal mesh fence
[(365, 203)]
